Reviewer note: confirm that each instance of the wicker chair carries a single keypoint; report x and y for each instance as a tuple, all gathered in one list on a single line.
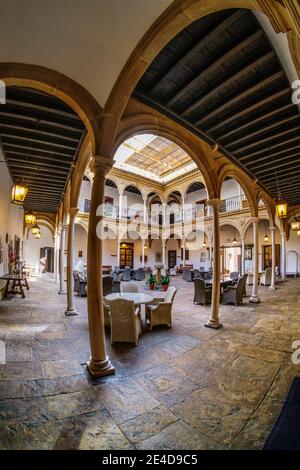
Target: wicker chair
[(127, 274), (234, 275), (129, 287), (138, 274), (202, 295), (197, 273), (125, 322), (159, 312), (266, 277), (187, 275), (234, 294), (106, 313)]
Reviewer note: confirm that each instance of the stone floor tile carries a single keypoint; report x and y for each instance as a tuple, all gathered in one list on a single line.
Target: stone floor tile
[(63, 368), (72, 404)]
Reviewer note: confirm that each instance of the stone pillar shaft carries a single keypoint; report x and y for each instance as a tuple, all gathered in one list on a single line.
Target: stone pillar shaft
[(273, 280), (99, 364), (254, 297), (283, 256), (70, 263), (61, 261), (214, 321), (243, 256)]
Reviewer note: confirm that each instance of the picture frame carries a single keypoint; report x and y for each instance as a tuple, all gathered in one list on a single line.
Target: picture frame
[(248, 253)]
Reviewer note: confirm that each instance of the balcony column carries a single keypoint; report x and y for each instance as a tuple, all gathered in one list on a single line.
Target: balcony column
[(164, 215), (273, 279), (214, 321), (183, 252), (62, 289), (254, 297), (56, 257), (283, 256), (71, 310), (120, 204), (243, 256), (183, 214), (145, 209), (99, 364)]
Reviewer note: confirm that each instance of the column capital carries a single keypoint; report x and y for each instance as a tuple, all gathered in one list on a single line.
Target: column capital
[(73, 211), (215, 203), (243, 238), (283, 234), (255, 220), (272, 229), (64, 227), (101, 166)]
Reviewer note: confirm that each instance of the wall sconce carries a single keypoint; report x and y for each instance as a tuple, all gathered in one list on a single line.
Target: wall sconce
[(18, 194)]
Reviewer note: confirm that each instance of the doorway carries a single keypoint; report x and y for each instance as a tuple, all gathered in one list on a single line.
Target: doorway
[(47, 259), (172, 258), (267, 256), (126, 255)]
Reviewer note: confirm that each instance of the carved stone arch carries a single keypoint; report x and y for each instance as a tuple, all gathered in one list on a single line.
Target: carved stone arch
[(198, 150), (269, 205), (232, 223), (82, 223), (198, 179), (231, 171)]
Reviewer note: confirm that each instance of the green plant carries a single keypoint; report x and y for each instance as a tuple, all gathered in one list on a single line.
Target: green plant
[(152, 279), (165, 280)]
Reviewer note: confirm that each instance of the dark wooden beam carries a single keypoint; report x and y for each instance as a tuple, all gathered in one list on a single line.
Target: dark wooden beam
[(237, 15), (237, 76), (193, 84), (18, 115), (10, 145), (280, 166), (49, 169), (271, 147), (248, 109), (11, 157), (24, 104), (258, 142), (270, 155), (227, 103), (271, 163), (33, 138), (37, 131)]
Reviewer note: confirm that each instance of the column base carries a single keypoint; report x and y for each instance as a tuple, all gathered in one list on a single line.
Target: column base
[(61, 291), (273, 287), (70, 312), (100, 368), (254, 300), (215, 324)]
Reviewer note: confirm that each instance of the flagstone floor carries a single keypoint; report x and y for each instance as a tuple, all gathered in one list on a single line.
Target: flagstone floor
[(188, 387)]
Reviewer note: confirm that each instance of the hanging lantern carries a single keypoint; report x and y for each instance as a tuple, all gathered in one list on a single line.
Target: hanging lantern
[(234, 241), (37, 236), (35, 229), (266, 238), (295, 225), (204, 244), (281, 209), (30, 218), (18, 194)]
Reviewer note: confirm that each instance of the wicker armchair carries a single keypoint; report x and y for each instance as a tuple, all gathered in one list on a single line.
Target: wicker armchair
[(129, 287), (106, 313), (202, 294), (138, 274), (234, 294), (234, 275), (125, 322), (266, 277), (187, 275), (159, 312), (127, 274)]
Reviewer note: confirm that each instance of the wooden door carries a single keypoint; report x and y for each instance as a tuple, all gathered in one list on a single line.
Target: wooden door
[(172, 258), (126, 255), (267, 256)]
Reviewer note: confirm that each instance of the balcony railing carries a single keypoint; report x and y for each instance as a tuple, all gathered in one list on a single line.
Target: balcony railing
[(232, 204)]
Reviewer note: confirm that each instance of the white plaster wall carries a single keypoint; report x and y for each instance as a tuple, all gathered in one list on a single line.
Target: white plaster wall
[(293, 244), (11, 215), (32, 247), (80, 244)]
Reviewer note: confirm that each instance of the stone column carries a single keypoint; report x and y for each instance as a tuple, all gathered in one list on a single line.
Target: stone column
[(164, 215), (243, 256), (56, 258), (210, 253), (254, 297), (183, 254), (120, 204), (164, 254), (118, 253), (71, 310), (62, 289), (183, 215), (145, 210), (283, 256), (273, 280), (143, 253), (214, 321), (99, 364)]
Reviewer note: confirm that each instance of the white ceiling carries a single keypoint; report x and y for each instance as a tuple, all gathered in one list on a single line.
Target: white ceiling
[(88, 40)]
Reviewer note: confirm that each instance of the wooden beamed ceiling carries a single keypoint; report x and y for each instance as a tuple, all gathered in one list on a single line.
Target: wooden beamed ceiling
[(40, 137), (222, 79)]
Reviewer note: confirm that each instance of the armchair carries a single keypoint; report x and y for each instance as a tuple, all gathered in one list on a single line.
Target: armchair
[(202, 294), (125, 321), (187, 275), (234, 294), (265, 277), (159, 312)]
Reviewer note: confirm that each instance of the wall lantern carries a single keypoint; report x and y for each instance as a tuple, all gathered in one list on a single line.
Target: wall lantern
[(295, 225), (298, 233), (281, 209), (36, 229), (18, 194), (266, 238), (30, 218)]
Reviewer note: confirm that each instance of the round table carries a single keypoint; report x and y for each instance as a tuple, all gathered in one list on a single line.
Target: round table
[(137, 297)]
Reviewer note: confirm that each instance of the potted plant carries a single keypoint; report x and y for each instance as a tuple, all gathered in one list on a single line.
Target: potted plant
[(165, 281), (152, 281)]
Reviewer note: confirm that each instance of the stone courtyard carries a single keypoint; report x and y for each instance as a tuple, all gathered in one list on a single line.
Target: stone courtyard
[(188, 387)]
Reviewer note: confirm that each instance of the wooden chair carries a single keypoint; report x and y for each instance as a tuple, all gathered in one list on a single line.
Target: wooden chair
[(202, 294), (125, 321), (159, 312)]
